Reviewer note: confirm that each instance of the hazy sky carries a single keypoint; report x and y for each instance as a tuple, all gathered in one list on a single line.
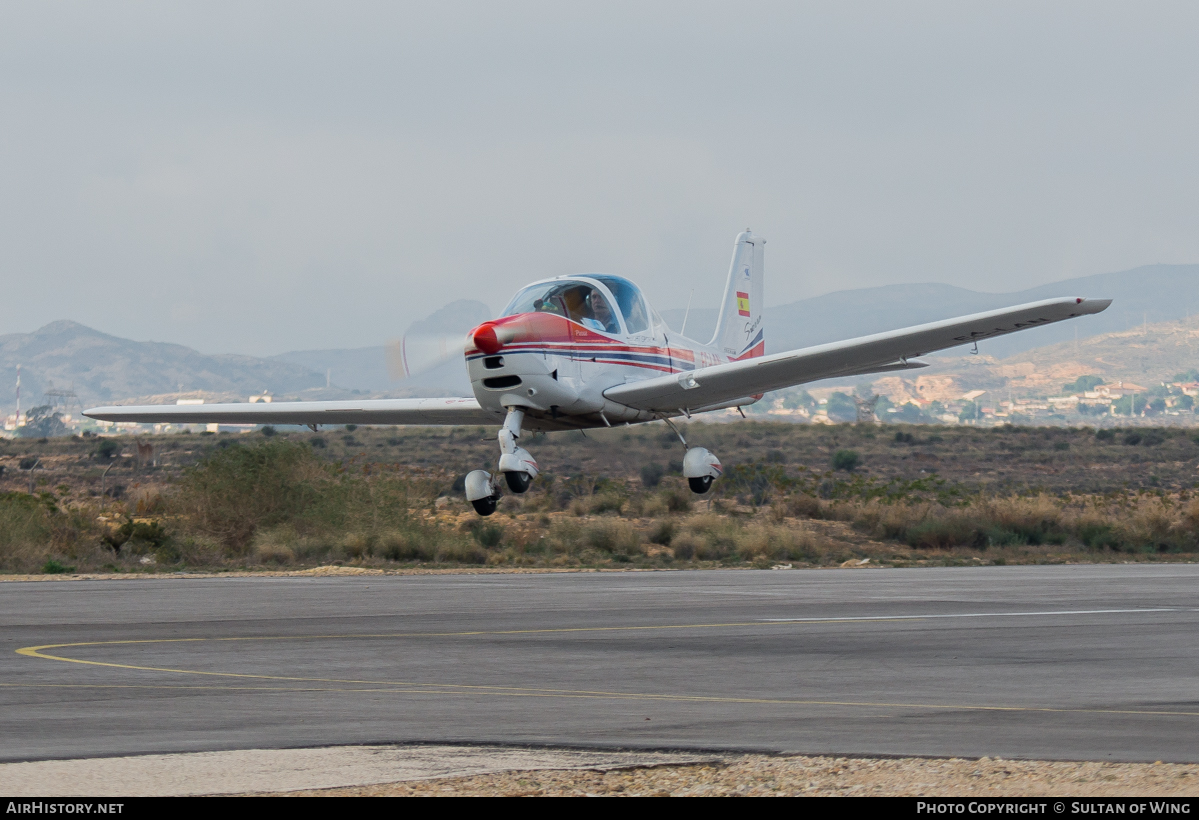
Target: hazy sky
[(258, 177)]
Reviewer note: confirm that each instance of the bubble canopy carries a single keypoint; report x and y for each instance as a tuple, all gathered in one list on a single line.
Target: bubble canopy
[(589, 300)]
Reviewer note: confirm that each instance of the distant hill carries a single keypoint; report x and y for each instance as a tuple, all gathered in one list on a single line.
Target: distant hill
[(1146, 355), (1154, 293), (103, 368)]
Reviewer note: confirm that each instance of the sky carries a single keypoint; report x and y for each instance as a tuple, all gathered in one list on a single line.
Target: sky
[(258, 177)]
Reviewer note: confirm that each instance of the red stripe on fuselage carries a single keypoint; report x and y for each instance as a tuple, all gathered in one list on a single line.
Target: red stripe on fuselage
[(544, 332)]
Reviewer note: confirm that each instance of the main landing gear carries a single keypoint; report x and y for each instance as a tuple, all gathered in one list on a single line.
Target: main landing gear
[(700, 467), (519, 469), (516, 465)]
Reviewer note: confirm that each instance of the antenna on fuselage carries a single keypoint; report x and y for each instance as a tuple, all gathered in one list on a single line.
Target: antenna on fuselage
[(683, 330)]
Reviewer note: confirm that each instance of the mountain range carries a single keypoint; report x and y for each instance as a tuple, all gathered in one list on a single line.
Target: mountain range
[(102, 368)]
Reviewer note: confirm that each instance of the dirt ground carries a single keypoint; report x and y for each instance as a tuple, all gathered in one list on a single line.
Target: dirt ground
[(769, 776)]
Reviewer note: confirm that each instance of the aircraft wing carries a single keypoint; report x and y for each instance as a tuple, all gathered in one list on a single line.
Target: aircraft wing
[(373, 411), (724, 384)]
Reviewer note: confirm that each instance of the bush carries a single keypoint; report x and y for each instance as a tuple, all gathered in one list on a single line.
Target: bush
[(268, 431), (662, 533), (52, 567), (488, 535), (797, 506), (846, 460), (24, 528), (676, 500), (651, 475)]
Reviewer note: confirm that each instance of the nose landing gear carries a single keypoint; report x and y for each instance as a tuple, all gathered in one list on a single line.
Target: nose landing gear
[(516, 464)]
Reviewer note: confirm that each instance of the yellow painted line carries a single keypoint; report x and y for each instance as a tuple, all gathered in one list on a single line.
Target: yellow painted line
[(438, 688), (39, 651)]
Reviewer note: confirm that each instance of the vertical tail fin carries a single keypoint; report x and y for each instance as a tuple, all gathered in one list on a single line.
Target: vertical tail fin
[(739, 328)]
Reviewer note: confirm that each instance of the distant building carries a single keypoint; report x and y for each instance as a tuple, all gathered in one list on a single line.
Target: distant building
[(1114, 391)]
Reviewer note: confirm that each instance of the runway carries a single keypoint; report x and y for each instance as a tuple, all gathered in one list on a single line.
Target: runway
[(1064, 662)]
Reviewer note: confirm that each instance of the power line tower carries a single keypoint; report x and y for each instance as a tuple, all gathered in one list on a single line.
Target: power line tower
[(865, 407), (56, 397)]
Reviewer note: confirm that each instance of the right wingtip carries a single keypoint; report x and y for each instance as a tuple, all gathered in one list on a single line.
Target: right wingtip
[(1093, 305)]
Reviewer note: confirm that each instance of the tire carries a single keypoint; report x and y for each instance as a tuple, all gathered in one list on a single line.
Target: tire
[(485, 506), (518, 482), (700, 485)]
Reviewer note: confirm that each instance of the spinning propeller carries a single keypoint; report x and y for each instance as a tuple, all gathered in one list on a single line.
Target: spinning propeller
[(436, 340)]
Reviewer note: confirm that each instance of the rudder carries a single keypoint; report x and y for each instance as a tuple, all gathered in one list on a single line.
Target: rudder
[(739, 333)]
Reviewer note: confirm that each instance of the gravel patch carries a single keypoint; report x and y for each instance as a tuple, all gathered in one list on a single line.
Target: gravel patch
[(767, 776)]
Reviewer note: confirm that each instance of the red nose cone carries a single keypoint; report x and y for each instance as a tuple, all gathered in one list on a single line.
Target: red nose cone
[(485, 339)]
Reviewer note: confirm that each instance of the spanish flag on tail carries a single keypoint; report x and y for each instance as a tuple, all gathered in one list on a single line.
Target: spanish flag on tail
[(742, 304)]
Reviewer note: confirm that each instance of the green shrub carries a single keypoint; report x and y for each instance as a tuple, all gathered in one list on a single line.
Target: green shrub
[(847, 460), (488, 535), (53, 567)]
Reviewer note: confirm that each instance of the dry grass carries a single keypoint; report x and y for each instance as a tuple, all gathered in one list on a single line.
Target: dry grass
[(280, 504)]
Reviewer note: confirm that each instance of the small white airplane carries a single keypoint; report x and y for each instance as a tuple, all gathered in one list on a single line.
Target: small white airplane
[(588, 351)]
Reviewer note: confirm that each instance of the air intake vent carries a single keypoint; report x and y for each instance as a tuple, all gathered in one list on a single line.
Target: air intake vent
[(501, 382)]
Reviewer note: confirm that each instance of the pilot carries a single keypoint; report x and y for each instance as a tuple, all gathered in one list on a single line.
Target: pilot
[(601, 314)]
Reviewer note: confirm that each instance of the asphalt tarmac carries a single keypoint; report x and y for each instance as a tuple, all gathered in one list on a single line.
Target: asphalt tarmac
[(1065, 662)]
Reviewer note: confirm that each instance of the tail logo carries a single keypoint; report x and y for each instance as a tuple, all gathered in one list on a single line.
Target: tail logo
[(742, 304)]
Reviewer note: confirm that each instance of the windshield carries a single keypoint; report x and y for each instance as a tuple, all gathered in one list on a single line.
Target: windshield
[(578, 301), (629, 300)]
